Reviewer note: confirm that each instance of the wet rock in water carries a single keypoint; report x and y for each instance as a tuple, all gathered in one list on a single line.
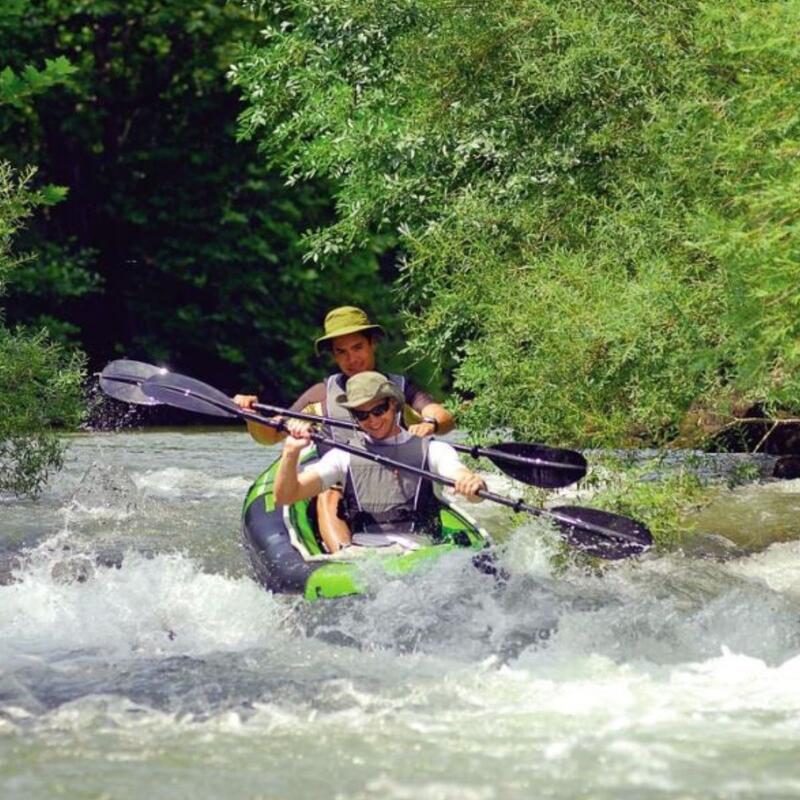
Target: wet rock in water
[(81, 567), (9, 564), (708, 467), (67, 567), (76, 569)]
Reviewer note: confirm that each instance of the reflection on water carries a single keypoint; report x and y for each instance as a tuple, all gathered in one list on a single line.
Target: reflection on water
[(172, 674)]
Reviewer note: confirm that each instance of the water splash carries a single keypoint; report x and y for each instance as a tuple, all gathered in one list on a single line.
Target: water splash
[(104, 490), (670, 676)]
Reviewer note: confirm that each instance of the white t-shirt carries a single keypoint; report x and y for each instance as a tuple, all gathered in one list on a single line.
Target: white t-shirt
[(442, 460)]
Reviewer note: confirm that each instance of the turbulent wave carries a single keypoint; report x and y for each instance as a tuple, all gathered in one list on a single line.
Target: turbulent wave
[(175, 482), (664, 672), (672, 676)]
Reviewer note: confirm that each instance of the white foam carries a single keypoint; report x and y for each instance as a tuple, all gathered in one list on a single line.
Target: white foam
[(531, 548), (150, 605), (778, 567), (180, 482)]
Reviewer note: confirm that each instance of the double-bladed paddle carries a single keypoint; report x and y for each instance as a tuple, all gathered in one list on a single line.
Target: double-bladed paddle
[(592, 531), (121, 380), (536, 464)]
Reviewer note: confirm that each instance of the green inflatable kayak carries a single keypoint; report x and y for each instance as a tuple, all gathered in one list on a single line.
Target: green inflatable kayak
[(287, 555)]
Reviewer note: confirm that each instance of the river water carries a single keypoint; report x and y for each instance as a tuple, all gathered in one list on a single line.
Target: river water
[(173, 675)]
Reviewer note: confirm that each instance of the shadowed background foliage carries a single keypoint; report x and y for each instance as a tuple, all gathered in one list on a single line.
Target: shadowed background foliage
[(174, 242)]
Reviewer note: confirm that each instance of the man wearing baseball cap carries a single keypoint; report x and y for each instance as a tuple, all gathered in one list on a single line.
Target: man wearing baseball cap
[(381, 505), (351, 338)]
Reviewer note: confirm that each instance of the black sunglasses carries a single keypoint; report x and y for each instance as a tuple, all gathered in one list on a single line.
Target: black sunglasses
[(378, 411)]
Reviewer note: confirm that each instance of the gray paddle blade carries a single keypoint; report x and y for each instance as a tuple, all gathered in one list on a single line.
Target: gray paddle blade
[(190, 394), (122, 379), (602, 534)]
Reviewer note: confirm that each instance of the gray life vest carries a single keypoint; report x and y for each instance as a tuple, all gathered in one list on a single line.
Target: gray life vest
[(334, 386), (381, 500)]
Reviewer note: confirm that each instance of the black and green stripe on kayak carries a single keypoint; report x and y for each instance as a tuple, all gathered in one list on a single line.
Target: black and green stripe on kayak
[(287, 556)]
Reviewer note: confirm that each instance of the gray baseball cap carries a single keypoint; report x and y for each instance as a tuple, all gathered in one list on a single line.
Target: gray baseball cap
[(366, 387)]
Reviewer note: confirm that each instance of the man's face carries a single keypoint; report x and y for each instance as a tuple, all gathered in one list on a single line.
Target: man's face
[(377, 425), (353, 353)]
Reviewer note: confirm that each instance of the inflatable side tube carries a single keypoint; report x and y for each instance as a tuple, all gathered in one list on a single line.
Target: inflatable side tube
[(278, 566)]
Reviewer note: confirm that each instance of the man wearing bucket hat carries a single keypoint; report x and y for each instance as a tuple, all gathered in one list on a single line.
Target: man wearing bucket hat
[(382, 506), (351, 338)]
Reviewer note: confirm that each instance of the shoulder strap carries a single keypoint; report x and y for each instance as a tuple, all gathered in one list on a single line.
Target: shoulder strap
[(399, 380)]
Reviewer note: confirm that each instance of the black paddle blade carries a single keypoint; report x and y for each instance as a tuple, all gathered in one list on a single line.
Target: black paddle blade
[(121, 380), (537, 464), (601, 533), (189, 394)]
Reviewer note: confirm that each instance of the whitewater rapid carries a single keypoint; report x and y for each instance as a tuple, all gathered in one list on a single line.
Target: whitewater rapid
[(164, 671)]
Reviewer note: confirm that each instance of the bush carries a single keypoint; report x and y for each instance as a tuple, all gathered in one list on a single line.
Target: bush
[(596, 203), (40, 383)]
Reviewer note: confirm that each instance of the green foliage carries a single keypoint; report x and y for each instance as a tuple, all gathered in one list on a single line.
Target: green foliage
[(175, 243), (662, 500), (17, 90), (16, 202), (743, 473), (40, 389), (40, 384), (596, 203)]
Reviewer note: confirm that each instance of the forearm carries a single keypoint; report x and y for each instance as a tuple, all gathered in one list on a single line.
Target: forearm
[(468, 484), (264, 434), (443, 417), (291, 485), (286, 488)]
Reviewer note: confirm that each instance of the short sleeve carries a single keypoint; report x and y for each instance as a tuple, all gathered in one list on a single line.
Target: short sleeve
[(443, 460), (416, 397), (331, 468)]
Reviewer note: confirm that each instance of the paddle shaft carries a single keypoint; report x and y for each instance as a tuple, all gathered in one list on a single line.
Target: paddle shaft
[(516, 505), (473, 451), (530, 463)]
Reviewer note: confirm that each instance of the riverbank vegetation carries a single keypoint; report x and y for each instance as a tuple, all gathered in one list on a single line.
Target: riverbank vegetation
[(40, 381), (595, 205), (664, 499)]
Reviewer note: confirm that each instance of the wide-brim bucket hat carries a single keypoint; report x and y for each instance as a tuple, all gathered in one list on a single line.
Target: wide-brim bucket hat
[(366, 387), (343, 320)]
